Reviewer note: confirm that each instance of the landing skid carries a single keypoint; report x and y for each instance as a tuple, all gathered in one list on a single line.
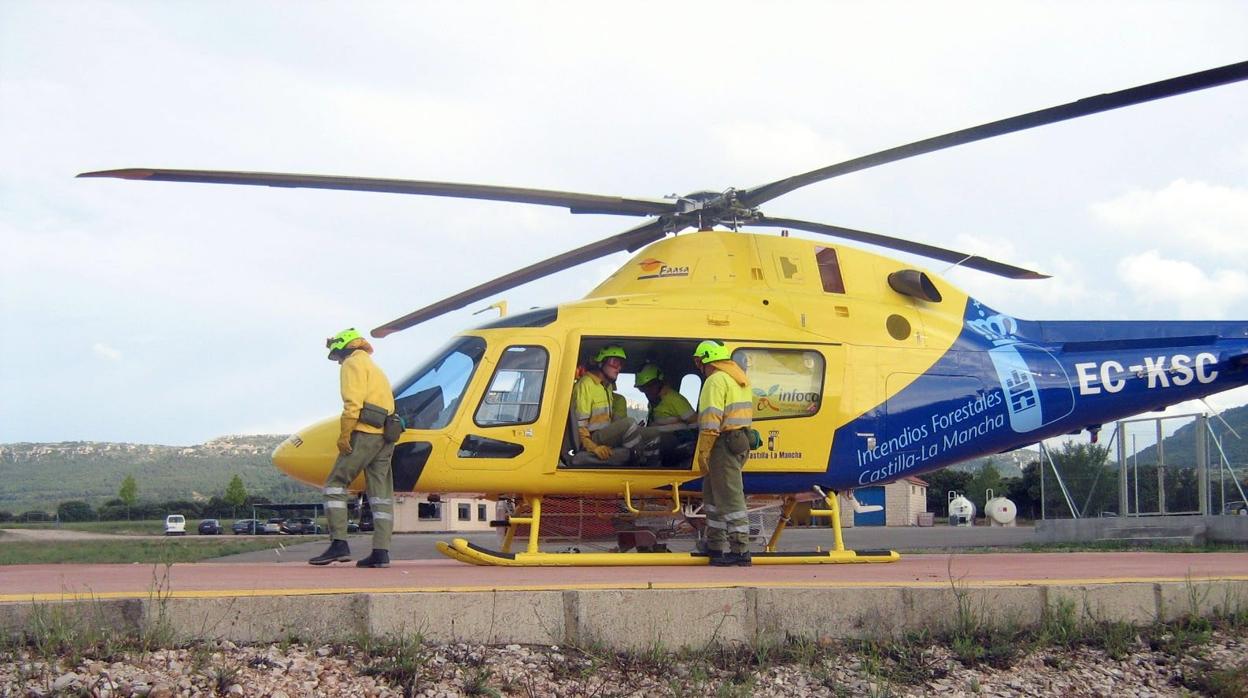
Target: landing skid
[(463, 551)]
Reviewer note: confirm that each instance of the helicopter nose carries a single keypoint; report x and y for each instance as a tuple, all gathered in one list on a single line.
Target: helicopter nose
[(308, 454)]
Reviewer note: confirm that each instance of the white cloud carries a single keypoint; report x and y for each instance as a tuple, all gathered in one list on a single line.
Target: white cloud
[(105, 351), (1182, 286), (775, 148), (1186, 214)]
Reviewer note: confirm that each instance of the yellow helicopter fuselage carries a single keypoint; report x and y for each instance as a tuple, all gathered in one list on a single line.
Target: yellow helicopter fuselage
[(751, 291)]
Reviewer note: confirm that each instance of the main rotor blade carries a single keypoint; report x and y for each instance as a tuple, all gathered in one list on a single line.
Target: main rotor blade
[(1084, 107), (627, 240), (961, 259), (576, 202)]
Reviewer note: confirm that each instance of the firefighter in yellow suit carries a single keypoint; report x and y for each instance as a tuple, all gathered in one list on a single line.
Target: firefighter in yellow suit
[(361, 446), (725, 412), (602, 422)]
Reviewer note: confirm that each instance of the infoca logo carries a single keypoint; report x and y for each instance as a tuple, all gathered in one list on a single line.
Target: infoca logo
[(658, 269)]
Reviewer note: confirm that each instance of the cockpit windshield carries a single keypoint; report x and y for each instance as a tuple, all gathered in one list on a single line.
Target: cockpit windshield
[(429, 397)]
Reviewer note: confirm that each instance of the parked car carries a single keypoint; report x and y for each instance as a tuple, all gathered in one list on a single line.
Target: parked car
[(175, 525), (353, 527), (273, 526), (209, 527), (248, 526), (301, 526), (1237, 508)]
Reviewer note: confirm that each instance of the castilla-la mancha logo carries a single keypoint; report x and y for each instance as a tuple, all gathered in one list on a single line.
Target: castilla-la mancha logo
[(656, 269)]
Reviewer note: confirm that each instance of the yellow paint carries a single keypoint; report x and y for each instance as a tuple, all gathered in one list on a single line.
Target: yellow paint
[(708, 584)]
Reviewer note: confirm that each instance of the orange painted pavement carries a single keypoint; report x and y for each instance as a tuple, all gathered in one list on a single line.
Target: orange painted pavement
[(50, 582)]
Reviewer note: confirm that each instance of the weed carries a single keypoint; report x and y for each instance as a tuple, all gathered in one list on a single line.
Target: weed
[(1116, 638), (1181, 638), (1203, 678), (401, 662), (1060, 626), (479, 684), (736, 689), (911, 663), (221, 676)]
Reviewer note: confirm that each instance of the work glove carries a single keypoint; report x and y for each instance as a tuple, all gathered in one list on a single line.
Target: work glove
[(346, 427), (602, 452), (702, 452)]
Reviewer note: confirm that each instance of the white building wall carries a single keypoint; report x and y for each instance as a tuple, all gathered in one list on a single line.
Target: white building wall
[(443, 516), (903, 502)]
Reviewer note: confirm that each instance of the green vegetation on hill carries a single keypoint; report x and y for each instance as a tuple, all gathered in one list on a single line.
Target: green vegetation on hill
[(39, 476)]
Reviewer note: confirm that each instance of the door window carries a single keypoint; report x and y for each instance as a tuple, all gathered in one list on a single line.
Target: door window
[(515, 392), (429, 397)]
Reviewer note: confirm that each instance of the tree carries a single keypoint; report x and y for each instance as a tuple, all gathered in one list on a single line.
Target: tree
[(939, 484), (987, 478), (235, 494), (76, 510), (129, 493)]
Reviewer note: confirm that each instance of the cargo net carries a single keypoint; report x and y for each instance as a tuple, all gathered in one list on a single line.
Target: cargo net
[(591, 523)]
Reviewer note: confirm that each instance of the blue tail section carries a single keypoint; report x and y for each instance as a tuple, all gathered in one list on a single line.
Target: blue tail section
[(1008, 383)]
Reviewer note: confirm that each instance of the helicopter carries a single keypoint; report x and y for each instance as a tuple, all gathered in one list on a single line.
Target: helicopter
[(865, 369)]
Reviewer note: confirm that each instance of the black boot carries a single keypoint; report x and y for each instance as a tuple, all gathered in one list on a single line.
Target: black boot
[(377, 558), (719, 558), (338, 552)]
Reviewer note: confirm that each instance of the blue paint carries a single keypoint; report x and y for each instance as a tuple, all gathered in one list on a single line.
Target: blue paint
[(869, 495), (1007, 383)]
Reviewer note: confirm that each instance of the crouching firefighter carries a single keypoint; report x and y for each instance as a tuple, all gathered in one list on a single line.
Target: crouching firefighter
[(366, 439), (725, 412)]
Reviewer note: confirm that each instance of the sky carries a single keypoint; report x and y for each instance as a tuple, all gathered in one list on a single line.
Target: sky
[(175, 313)]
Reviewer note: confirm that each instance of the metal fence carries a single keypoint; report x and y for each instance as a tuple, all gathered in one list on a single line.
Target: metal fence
[(1151, 466)]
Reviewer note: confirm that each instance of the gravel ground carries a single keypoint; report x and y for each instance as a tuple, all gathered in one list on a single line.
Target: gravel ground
[(1219, 667)]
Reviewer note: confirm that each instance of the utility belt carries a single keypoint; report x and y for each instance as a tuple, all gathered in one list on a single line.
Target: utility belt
[(390, 423), (755, 439)]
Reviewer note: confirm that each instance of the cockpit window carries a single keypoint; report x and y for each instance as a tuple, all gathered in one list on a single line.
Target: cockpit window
[(428, 399), (515, 392), (829, 269)]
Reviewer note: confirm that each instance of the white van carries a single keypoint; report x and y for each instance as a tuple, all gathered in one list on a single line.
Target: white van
[(175, 525)]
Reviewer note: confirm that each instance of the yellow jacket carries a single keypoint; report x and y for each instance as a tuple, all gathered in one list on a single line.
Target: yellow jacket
[(672, 410), (593, 402), (362, 381), (726, 402)]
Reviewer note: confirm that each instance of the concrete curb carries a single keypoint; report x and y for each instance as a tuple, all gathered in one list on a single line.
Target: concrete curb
[(621, 619)]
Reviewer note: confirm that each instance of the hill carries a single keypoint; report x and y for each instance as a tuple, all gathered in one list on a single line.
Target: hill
[(41, 475), (1008, 464), (1180, 447)]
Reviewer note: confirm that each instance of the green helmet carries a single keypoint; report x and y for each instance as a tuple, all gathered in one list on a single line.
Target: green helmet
[(609, 351), (648, 374), (340, 341), (712, 350)]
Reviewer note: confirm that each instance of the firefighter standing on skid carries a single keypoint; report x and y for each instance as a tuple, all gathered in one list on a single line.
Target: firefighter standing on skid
[(725, 412)]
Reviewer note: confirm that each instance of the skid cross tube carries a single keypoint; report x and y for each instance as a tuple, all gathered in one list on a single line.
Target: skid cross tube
[(628, 502)]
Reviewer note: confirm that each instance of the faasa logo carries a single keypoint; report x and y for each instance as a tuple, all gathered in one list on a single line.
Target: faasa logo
[(656, 269)]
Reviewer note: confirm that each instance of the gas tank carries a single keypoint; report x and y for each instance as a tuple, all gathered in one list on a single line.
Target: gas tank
[(961, 510), (999, 510)]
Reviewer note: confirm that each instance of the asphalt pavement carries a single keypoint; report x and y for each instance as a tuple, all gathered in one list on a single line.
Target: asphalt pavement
[(422, 546)]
